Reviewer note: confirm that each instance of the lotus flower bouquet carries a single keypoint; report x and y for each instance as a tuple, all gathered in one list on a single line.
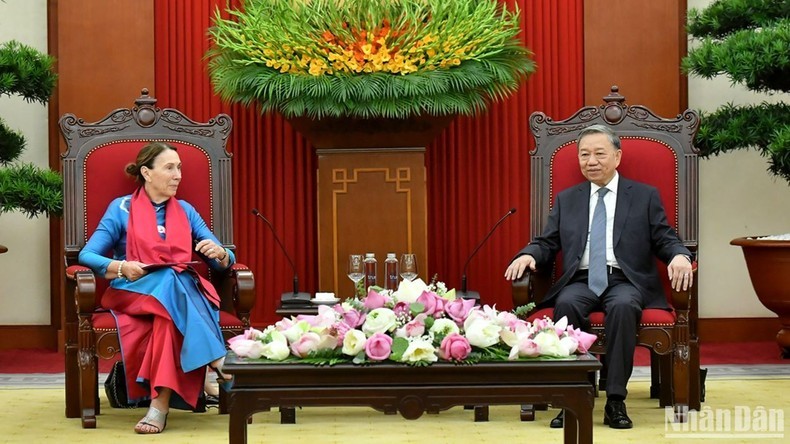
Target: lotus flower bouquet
[(418, 324)]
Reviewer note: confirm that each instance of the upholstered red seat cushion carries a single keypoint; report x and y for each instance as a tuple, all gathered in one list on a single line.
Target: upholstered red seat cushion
[(651, 317), (103, 321)]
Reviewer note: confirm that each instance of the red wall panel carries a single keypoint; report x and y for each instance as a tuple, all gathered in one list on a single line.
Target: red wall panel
[(477, 169)]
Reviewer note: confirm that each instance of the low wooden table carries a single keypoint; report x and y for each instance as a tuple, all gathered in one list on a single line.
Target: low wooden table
[(412, 391)]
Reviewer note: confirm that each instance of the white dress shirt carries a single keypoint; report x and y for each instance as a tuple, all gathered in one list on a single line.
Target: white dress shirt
[(610, 200)]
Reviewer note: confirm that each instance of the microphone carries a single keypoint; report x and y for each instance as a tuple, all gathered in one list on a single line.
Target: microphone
[(287, 298), (473, 294)]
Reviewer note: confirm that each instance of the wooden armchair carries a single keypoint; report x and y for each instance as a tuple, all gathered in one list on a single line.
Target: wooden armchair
[(93, 174), (656, 151)]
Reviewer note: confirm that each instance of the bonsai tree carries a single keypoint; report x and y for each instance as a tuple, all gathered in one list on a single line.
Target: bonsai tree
[(749, 41), (25, 187)]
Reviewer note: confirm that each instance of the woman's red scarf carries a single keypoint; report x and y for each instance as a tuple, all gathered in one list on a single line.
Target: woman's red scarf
[(143, 243)]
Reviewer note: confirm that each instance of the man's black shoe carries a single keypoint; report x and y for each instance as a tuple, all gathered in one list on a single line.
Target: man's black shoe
[(558, 421), (615, 416)]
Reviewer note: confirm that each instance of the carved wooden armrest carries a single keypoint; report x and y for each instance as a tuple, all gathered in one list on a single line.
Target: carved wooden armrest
[(521, 289), (532, 287), (83, 283), (239, 290), (686, 300)]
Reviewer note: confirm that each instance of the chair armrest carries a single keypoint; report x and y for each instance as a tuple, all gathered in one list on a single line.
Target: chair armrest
[(238, 291), (521, 289), (81, 282), (686, 300), (532, 287)]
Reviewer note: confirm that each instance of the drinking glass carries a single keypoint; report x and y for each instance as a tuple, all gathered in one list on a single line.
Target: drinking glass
[(408, 266), (356, 269)]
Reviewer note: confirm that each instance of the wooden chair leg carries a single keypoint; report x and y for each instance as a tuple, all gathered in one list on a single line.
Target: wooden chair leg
[(655, 375), (680, 381), (593, 380), (96, 382), (603, 374), (665, 376), (696, 378), (88, 384), (72, 375)]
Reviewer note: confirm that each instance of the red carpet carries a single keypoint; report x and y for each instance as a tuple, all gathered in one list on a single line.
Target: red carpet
[(48, 361), (38, 361), (723, 353)]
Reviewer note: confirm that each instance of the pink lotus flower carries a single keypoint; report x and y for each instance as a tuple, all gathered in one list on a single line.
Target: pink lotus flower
[(430, 301), (247, 347), (586, 340), (353, 318), (414, 328), (378, 347), (249, 334), (307, 343), (459, 309), (508, 320), (454, 347), (374, 300), (527, 348), (339, 330), (401, 308)]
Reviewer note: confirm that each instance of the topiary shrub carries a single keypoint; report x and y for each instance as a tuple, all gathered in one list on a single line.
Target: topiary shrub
[(24, 187), (749, 41)]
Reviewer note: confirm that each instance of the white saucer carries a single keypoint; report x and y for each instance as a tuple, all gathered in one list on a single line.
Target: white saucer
[(324, 301)]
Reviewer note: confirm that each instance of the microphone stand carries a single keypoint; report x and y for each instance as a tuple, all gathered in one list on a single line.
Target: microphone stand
[(464, 293), (287, 298)]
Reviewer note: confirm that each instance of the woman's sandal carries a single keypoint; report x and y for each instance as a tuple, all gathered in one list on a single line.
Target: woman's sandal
[(154, 419), (225, 382)]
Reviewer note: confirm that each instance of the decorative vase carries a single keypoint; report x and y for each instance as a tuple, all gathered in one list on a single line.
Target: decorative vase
[(768, 262)]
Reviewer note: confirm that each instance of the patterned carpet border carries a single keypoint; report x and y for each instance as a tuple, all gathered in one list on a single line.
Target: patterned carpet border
[(772, 371)]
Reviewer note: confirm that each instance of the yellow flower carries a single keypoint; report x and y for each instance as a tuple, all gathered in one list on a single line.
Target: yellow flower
[(317, 67)]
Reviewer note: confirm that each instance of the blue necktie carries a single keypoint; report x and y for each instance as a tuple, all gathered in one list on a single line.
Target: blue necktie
[(597, 279)]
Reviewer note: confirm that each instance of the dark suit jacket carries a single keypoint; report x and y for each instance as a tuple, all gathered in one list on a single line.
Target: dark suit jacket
[(641, 233)]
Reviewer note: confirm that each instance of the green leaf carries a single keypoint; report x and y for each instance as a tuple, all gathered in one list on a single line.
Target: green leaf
[(399, 346)]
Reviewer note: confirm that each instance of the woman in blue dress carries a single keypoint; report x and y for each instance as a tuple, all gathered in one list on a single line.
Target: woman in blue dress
[(167, 314)]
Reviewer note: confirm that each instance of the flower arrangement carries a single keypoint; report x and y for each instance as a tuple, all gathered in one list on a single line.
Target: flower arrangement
[(368, 58), (418, 324)]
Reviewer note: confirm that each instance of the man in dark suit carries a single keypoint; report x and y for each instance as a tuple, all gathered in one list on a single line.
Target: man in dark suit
[(608, 240)]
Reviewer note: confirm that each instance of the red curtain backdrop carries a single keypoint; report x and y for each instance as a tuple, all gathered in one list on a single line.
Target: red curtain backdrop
[(477, 169)]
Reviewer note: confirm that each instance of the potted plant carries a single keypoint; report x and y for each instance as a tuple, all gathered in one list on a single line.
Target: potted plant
[(748, 40), (368, 59), (23, 186)]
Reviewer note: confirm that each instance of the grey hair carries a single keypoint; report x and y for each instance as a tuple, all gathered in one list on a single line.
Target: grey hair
[(600, 129)]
